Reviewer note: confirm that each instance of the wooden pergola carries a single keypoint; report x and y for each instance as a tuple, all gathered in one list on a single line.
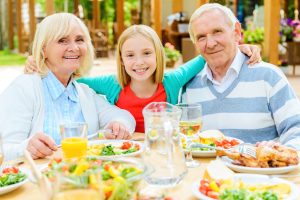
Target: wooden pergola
[(271, 10)]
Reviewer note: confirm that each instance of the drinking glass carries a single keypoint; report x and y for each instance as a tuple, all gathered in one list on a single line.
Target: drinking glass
[(1, 150), (190, 124), (74, 187), (74, 139)]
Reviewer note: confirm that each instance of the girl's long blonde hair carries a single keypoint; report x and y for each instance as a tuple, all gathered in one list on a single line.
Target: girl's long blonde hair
[(54, 27), (149, 33)]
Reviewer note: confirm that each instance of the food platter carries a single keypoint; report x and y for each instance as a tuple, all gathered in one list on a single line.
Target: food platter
[(208, 153), (114, 148), (9, 188), (252, 179), (254, 170)]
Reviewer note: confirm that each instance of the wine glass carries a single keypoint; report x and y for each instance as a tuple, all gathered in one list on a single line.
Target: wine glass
[(1, 150), (190, 124)]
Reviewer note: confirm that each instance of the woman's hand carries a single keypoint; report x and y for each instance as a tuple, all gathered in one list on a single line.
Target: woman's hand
[(119, 131), (30, 66), (41, 145), (252, 51)]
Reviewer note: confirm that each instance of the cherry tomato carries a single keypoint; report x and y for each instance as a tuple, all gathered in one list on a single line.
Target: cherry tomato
[(126, 145), (65, 168), (213, 194), (219, 183), (108, 194), (98, 162), (58, 160), (106, 167), (218, 143), (10, 170), (204, 181), (203, 190), (234, 142), (137, 147)]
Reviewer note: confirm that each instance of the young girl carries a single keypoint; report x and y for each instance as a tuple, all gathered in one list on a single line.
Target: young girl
[(140, 77)]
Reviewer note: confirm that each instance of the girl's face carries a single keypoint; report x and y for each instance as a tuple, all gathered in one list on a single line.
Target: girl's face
[(139, 58), (65, 55)]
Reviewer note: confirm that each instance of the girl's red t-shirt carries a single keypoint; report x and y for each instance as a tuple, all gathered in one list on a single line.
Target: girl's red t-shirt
[(129, 101)]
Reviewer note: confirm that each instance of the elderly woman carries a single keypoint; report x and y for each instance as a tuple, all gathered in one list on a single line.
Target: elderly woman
[(34, 105)]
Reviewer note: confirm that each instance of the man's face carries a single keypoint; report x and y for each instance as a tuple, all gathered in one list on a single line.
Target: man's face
[(215, 39)]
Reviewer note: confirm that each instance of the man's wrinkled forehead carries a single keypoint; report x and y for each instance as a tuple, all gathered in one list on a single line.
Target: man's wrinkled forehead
[(217, 13)]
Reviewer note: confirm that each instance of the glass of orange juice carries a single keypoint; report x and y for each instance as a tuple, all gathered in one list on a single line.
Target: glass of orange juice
[(74, 139)]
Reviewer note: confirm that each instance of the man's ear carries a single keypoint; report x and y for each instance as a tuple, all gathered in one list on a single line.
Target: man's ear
[(238, 31)]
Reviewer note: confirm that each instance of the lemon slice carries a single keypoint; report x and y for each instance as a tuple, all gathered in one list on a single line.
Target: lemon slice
[(153, 135)]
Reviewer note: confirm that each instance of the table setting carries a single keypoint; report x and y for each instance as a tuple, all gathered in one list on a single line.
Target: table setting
[(155, 168)]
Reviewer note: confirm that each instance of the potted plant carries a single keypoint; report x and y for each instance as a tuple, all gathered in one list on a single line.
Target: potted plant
[(172, 55), (283, 65), (297, 33), (254, 36)]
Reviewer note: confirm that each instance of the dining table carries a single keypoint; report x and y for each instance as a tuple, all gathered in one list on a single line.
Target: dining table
[(182, 191)]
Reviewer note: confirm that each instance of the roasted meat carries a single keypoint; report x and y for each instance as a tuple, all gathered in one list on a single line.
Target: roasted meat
[(275, 156)]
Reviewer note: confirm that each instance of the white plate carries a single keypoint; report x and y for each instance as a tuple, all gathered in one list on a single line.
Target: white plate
[(255, 170), (252, 179), (118, 143), (208, 153), (9, 188)]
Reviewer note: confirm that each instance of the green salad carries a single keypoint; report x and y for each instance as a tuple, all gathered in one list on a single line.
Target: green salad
[(11, 175), (244, 194)]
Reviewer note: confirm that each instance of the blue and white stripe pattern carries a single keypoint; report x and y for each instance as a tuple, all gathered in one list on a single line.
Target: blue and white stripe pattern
[(259, 105), (61, 105)]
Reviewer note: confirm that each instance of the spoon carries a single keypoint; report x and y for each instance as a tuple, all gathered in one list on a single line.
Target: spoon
[(42, 180)]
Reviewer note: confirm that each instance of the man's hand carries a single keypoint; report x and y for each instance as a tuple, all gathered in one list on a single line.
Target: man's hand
[(30, 66), (119, 131), (41, 145), (253, 51)]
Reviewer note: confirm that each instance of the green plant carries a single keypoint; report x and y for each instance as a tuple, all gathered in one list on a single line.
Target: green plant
[(171, 53), (253, 36), (8, 58)]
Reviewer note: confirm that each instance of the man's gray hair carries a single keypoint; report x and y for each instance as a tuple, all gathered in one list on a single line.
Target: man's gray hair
[(209, 7)]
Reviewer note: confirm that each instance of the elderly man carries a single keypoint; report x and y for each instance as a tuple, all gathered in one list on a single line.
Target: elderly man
[(253, 104)]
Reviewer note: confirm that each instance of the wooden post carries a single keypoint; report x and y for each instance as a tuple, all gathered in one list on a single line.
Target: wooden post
[(157, 16), (49, 7), (234, 7), (271, 26), (201, 2), (177, 6), (19, 26), (76, 10), (96, 12), (10, 25), (120, 17), (32, 21)]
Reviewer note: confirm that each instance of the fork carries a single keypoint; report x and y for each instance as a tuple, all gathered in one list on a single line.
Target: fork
[(243, 148)]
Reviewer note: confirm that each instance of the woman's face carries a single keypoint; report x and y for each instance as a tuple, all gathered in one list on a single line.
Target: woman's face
[(65, 55)]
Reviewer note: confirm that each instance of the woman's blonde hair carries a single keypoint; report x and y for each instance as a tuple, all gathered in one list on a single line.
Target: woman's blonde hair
[(149, 33), (54, 27)]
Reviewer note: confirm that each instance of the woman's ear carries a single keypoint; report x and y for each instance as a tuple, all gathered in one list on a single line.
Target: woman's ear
[(44, 52)]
